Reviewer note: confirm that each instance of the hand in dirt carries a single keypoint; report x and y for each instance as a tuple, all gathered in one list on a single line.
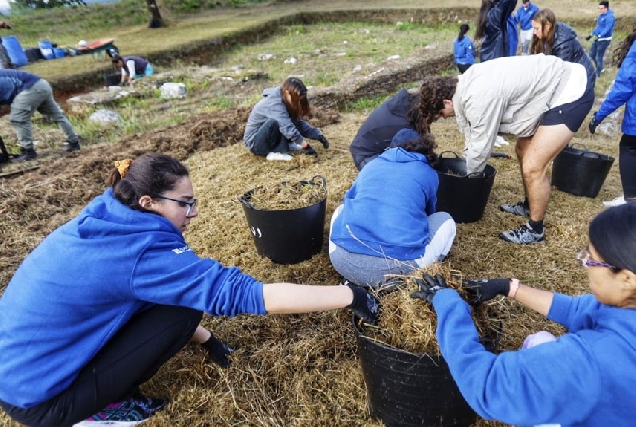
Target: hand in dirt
[(218, 351), (309, 150), (429, 287), (365, 305), (486, 289), (323, 141)]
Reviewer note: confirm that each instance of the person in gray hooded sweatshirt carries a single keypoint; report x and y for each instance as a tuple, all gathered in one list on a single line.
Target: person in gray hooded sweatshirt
[(276, 126)]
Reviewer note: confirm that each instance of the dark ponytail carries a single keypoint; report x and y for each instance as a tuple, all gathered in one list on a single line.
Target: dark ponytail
[(463, 29)]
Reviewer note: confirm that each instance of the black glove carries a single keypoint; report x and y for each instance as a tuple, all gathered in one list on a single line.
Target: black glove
[(593, 124), (323, 141), (588, 37), (365, 305), (218, 351), (429, 286), (486, 289), (309, 150)]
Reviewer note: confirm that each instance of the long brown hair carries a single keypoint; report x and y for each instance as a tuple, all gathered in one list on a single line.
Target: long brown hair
[(433, 92), (546, 18), (425, 144), (619, 54), (298, 107), (482, 19)]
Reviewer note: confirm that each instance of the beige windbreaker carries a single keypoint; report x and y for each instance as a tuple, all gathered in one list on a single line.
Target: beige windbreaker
[(505, 95)]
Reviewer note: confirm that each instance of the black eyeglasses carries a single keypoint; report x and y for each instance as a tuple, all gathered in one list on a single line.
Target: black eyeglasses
[(191, 205), (585, 261)]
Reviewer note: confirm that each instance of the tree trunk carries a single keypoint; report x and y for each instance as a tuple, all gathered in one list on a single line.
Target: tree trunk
[(156, 20)]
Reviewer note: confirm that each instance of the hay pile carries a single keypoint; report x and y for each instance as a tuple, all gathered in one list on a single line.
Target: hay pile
[(409, 324), (287, 195)]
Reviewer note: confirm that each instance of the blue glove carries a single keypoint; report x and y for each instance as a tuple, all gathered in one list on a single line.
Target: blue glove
[(593, 124), (429, 287)]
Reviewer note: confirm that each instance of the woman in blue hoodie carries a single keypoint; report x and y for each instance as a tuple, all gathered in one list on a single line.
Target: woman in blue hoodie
[(387, 222), (463, 49), (276, 126), (583, 378), (109, 297), (623, 92)]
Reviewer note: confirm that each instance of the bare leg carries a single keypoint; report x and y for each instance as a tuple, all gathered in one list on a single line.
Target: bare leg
[(201, 335), (535, 155)]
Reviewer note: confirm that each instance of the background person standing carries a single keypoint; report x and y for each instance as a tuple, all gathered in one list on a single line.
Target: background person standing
[(526, 12), (602, 35)]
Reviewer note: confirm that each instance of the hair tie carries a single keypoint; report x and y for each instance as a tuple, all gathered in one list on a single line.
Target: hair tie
[(123, 166)]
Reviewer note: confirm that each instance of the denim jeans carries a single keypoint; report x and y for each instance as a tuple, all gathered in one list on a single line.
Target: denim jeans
[(597, 52), (269, 139), (38, 98)]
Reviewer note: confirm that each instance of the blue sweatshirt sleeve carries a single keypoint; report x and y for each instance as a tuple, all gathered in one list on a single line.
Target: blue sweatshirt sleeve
[(605, 25), (170, 275), (8, 90), (623, 88), (557, 382), (575, 313)]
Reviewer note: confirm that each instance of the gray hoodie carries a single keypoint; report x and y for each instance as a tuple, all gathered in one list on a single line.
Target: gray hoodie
[(272, 107)]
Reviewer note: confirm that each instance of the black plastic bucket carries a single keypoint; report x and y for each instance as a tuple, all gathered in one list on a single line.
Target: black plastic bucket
[(580, 172), (463, 196), (287, 236), (112, 79), (410, 389)]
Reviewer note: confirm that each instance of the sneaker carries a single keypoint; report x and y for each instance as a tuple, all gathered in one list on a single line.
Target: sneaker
[(518, 209), (130, 412), (295, 147), (500, 142), (273, 156), (615, 202), (26, 155), (523, 235), (71, 146)]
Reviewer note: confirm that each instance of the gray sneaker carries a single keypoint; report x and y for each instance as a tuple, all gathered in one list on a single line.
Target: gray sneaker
[(518, 209), (71, 146), (523, 235)]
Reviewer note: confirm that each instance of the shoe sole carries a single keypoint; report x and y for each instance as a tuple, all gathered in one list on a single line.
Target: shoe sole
[(502, 236), (525, 215)]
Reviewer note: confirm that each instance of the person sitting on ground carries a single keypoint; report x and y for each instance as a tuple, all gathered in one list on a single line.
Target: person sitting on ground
[(401, 111), (132, 67), (375, 232), (276, 124), (109, 297), (463, 49), (27, 93), (584, 377), (623, 92), (541, 99)]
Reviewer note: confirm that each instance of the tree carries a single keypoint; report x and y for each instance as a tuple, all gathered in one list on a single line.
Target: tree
[(48, 4), (157, 20)]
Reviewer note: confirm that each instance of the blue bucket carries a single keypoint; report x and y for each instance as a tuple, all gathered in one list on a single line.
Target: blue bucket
[(14, 50), (59, 52), (47, 49)]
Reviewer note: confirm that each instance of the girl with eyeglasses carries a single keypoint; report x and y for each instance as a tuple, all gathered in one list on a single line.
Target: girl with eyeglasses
[(585, 377), (109, 297), (276, 125)]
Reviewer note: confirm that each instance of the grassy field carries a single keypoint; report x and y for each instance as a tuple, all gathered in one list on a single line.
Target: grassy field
[(295, 370)]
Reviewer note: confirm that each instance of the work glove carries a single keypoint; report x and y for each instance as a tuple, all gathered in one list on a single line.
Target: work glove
[(218, 351), (323, 141), (593, 124), (486, 289), (588, 38), (429, 286), (309, 150), (364, 305)]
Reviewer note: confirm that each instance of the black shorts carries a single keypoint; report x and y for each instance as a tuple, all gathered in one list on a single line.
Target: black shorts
[(572, 114)]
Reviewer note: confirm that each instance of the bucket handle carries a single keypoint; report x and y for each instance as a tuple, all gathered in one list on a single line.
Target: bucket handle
[(476, 175), (324, 180), (243, 200), (578, 143), (441, 155)]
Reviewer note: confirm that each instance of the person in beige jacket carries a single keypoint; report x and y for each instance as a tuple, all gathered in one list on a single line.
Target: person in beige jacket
[(542, 100)]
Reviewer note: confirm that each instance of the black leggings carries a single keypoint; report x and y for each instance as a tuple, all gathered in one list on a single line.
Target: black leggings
[(627, 165), (269, 139), (129, 359)]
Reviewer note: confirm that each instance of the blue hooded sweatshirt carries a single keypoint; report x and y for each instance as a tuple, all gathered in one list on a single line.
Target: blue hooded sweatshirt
[(584, 378), (85, 281), (623, 92), (605, 25), (524, 16), (12, 82), (387, 207), (464, 51)]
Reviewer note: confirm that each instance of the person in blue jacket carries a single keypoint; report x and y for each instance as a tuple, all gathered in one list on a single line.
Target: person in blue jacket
[(463, 49), (513, 36), (525, 13), (109, 297), (601, 35), (387, 222), (276, 126), (623, 92), (585, 376), (492, 27)]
